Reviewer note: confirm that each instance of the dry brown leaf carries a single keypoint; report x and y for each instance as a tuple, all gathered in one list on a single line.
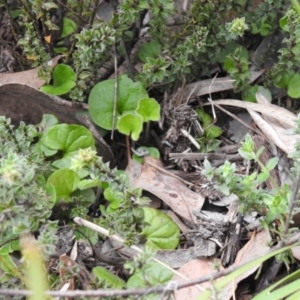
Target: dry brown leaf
[(172, 191), (256, 247), (285, 117), (29, 77), (208, 86), (271, 133), (194, 269)]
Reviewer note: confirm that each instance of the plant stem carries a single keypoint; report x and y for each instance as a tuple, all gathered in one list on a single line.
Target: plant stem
[(147, 130), (128, 149)]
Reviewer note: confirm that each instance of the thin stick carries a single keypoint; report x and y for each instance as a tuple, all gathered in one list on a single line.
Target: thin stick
[(128, 149), (116, 92), (105, 232)]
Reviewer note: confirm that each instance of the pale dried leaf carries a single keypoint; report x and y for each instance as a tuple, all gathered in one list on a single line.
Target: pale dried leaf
[(208, 86), (74, 251), (269, 131), (29, 77), (194, 269), (256, 247), (285, 117), (296, 252), (172, 191)]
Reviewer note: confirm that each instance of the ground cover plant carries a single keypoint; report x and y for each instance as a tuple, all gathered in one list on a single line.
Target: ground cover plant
[(190, 206)]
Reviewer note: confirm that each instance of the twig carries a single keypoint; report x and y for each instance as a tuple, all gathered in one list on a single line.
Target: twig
[(104, 231), (125, 293), (115, 93)]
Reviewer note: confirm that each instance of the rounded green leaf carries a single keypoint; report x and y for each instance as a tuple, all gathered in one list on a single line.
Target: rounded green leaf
[(65, 182), (108, 279), (212, 132), (101, 99), (69, 138), (162, 233), (69, 27), (63, 80), (151, 49), (294, 86), (131, 124), (149, 109), (153, 152)]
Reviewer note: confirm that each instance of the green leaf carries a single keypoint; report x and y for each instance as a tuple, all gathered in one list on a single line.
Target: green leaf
[(149, 109), (229, 48), (91, 234), (249, 94), (47, 122), (150, 49), (294, 86), (272, 163), (212, 132), (69, 138), (108, 279), (65, 182), (131, 124), (263, 176), (89, 183), (205, 118), (63, 81), (162, 233), (114, 198), (156, 275), (69, 27), (153, 152), (286, 286), (101, 100)]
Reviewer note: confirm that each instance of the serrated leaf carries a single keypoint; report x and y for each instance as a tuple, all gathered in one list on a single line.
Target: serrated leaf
[(162, 233), (108, 279), (101, 100), (205, 118), (156, 275), (212, 132)]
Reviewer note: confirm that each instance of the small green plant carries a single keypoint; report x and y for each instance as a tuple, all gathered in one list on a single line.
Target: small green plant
[(283, 74), (271, 204), (133, 106), (208, 141), (63, 81)]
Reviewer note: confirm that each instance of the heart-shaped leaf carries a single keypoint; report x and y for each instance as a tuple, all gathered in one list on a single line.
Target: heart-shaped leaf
[(162, 233), (146, 50), (149, 109), (101, 100), (68, 138), (65, 182), (131, 124), (63, 81)]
